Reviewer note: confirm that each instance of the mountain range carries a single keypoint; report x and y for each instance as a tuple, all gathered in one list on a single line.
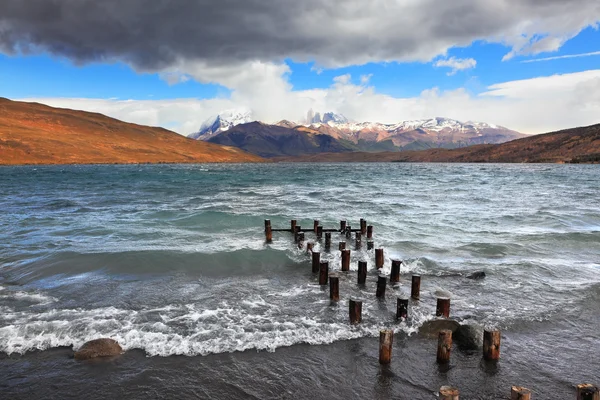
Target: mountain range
[(333, 132)]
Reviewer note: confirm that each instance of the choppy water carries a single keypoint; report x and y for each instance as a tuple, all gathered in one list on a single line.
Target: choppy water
[(171, 260)]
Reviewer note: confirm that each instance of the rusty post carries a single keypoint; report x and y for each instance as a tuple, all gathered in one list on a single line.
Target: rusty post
[(386, 339), (300, 240), (327, 241), (334, 288), (355, 309), (381, 282), (362, 272), (587, 391), (296, 233), (520, 393), (363, 226), (315, 225), (267, 223), (358, 241), (370, 245), (415, 290), (379, 258), (293, 226), (268, 233), (395, 274), (320, 232), (309, 247), (491, 345), (323, 272), (444, 346), (370, 232), (345, 260), (316, 261), (401, 308), (342, 246), (449, 393), (342, 226), (348, 232), (443, 307)]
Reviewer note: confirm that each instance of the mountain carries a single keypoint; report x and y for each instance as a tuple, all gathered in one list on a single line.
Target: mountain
[(32, 133), (577, 145), (222, 122)]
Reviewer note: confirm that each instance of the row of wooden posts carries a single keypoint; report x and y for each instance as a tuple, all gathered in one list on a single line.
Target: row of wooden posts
[(491, 338)]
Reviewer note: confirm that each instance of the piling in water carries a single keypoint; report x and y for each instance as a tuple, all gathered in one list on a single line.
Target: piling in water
[(334, 288), (267, 223), (345, 260), (443, 308), (320, 232), (395, 274), (348, 232), (370, 232), (449, 393), (342, 246), (358, 241), (363, 226), (315, 225), (588, 391), (342, 226), (491, 345), (323, 272), (386, 339), (362, 272), (297, 232), (316, 261), (401, 309), (268, 233), (370, 245), (415, 289), (309, 247), (444, 346), (520, 393), (355, 309), (327, 241), (293, 225), (300, 240), (381, 282), (379, 258)]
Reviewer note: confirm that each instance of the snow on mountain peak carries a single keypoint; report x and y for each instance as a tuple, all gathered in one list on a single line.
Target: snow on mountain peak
[(222, 122)]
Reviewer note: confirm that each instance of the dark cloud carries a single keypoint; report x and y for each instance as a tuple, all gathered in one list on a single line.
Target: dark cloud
[(157, 34)]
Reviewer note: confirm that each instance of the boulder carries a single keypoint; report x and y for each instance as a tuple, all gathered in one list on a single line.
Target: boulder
[(476, 275), (468, 337), (431, 329), (98, 348)]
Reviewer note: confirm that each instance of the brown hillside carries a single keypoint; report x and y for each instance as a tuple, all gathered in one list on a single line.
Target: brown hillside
[(32, 133)]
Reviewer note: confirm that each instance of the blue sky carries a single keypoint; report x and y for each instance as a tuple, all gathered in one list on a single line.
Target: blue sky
[(386, 79)]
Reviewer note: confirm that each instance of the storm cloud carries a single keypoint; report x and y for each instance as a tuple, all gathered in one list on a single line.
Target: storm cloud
[(182, 35)]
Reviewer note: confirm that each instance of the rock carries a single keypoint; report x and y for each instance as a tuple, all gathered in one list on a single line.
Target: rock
[(98, 348), (468, 337), (431, 329), (476, 275)]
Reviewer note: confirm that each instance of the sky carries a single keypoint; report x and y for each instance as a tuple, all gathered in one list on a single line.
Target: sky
[(529, 65)]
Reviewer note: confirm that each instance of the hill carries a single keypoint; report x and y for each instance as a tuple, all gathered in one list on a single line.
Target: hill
[(32, 133)]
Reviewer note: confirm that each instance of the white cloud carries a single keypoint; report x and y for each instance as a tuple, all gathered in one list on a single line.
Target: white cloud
[(457, 64), (532, 106)]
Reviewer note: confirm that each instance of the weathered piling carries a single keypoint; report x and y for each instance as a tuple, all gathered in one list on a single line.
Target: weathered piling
[(520, 393), (370, 232), (348, 232), (588, 391), (309, 247), (381, 282), (415, 289), (315, 225), (449, 393), (401, 308), (345, 260), (386, 339), (444, 346), (316, 261), (293, 225), (355, 309), (334, 288), (363, 226), (327, 241), (358, 240), (300, 240), (342, 246), (443, 307), (342, 226), (297, 232), (395, 274), (268, 231), (491, 345), (362, 272), (320, 232), (267, 223), (323, 272), (370, 245), (379, 258)]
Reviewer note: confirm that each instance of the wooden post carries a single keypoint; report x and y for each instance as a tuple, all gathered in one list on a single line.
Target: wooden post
[(269, 233), (443, 307), (401, 308), (415, 287), (342, 246), (300, 240), (297, 232), (315, 225), (395, 275), (370, 232), (379, 258), (316, 261), (520, 393), (370, 245), (293, 226), (491, 345), (327, 240), (355, 308), (587, 391), (334, 288), (348, 232), (345, 260), (449, 393), (362, 272), (342, 226), (381, 282), (444, 346), (386, 339), (267, 223), (323, 272), (320, 232), (358, 240), (309, 247), (363, 226)]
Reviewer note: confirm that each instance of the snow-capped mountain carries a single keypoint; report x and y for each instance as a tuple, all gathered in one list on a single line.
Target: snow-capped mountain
[(222, 122)]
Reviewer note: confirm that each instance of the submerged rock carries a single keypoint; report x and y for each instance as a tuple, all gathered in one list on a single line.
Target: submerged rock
[(98, 348), (476, 275), (431, 329), (468, 337)]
